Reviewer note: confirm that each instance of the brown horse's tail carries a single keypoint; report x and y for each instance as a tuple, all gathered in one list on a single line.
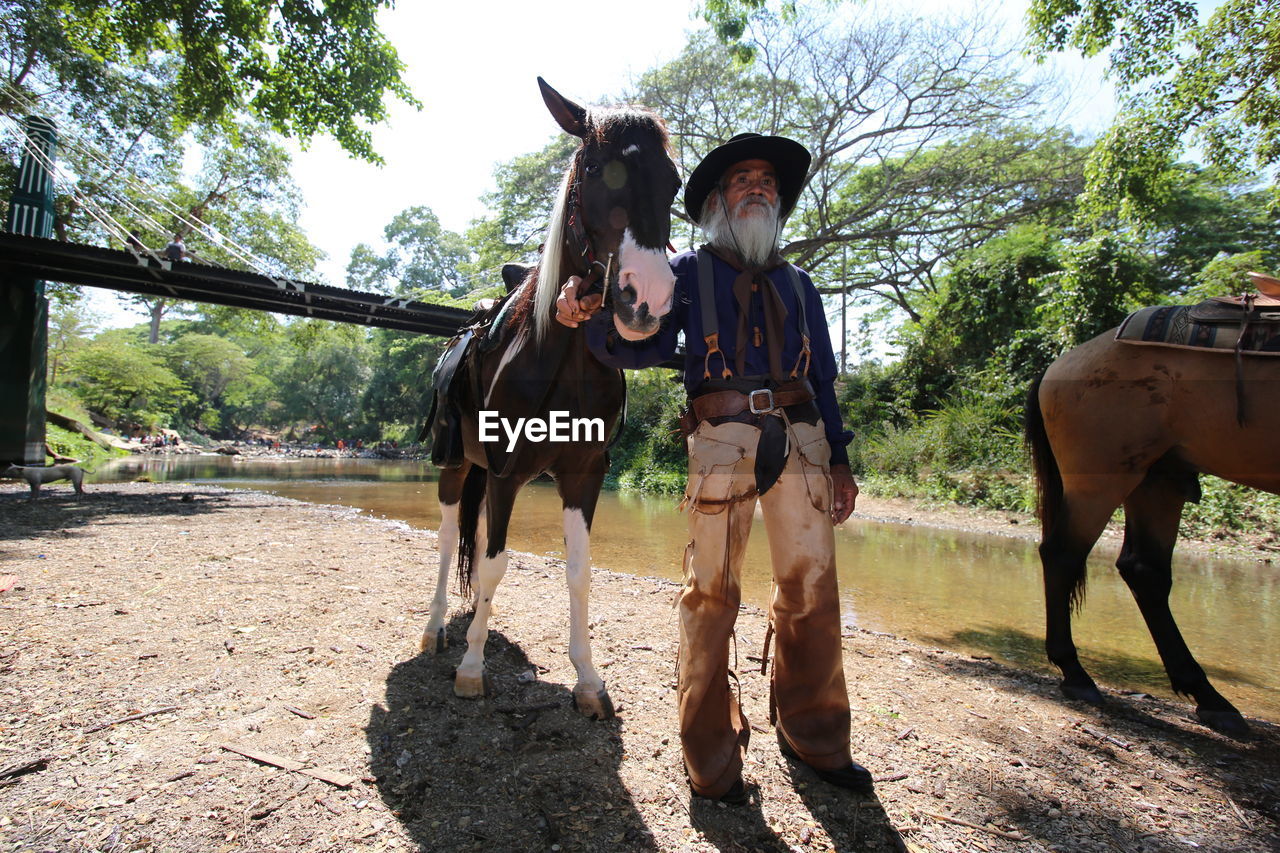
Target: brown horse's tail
[(1048, 477), (473, 489)]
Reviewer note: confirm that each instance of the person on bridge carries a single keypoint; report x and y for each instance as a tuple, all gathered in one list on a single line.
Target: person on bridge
[(760, 371), (176, 250)]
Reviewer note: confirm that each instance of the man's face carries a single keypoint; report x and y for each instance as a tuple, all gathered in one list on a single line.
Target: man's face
[(752, 181)]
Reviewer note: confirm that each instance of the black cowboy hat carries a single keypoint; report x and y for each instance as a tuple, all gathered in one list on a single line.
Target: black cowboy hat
[(789, 158)]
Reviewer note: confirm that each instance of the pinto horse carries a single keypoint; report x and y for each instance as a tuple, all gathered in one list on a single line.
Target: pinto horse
[(611, 223), (1113, 424)]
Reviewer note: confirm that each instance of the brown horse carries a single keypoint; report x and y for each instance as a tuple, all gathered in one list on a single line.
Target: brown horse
[(611, 223), (1112, 424)]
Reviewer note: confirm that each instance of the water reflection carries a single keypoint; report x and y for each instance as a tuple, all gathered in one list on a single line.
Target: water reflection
[(977, 593)]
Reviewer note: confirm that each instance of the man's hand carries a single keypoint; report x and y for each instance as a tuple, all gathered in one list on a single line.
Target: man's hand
[(570, 310), (844, 491)]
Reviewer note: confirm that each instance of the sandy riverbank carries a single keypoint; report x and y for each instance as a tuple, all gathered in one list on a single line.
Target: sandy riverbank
[(247, 620)]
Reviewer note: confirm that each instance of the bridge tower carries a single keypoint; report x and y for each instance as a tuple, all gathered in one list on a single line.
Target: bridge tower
[(24, 310)]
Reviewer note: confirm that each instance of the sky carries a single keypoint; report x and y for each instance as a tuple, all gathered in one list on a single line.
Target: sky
[(474, 67)]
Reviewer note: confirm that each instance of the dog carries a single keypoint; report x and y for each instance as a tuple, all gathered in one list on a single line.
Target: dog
[(36, 476)]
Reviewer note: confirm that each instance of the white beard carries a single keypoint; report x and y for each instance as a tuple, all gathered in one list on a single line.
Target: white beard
[(751, 233)]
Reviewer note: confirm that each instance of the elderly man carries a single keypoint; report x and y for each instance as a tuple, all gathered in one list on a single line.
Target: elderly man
[(760, 370)]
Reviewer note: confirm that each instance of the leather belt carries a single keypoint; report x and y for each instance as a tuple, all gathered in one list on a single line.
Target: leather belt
[(762, 401)]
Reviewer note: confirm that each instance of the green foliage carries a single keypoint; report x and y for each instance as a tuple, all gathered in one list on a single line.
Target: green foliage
[(981, 306), (126, 382), (1214, 83), (868, 398), (729, 20), (1209, 215), (423, 259), (320, 379), (1102, 280), (67, 443), (650, 455), (967, 451), (526, 189), (1227, 276), (301, 69), (1226, 508), (216, 371), (396, 398), (70, 323)]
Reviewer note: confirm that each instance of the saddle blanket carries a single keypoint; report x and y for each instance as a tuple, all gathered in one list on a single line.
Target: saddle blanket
[(1184, 326)]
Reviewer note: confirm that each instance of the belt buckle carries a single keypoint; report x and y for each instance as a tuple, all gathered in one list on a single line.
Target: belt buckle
[(760, 410)]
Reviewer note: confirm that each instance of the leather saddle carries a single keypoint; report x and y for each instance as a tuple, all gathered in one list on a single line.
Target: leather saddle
[(483, 333), (1261, 306)]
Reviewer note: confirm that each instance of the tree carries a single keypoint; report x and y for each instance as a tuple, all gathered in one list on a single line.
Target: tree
[(298, 68), (125, 382), (423, 259), (1210, 214), (320, 381), (1215, 84), (926, 139), (397, 395), (986, 300), (243, 198), (522, 201), (70, 324), (212, 368)]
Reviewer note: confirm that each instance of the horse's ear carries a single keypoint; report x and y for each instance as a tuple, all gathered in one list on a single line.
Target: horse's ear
[(567, 114)]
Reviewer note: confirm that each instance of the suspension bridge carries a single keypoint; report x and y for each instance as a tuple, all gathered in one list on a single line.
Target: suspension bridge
[(29, 258)]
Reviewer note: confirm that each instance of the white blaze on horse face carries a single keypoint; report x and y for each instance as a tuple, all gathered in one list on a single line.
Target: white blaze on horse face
[(648, 273)]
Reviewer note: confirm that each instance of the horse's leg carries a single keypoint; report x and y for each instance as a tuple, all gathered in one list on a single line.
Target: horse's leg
[(434, 640), (1152, 514), (471, 682), (1086, 508), (579, 492)]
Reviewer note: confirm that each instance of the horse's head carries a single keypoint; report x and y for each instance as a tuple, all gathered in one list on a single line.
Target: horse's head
[(616, 210)]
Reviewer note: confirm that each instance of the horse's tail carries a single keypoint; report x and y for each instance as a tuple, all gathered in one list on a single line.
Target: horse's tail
[(1050, 497), (1048, 477), (468, 522)]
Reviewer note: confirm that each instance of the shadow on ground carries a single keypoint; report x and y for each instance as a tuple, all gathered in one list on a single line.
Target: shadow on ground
[(1027, 650), (1129, 732), (521, 770), (60, 509)]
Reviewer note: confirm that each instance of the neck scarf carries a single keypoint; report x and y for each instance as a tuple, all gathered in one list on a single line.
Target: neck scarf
[(748, 280)]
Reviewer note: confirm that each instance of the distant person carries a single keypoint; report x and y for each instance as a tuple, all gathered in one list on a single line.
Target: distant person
[(134, 240), (176, 250)]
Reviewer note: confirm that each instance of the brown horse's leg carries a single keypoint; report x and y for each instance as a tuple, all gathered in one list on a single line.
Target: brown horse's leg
[(1086, 508), (434, 640), (1152, 513)]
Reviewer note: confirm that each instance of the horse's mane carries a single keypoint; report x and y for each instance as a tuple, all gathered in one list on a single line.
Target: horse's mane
[(548, 276)]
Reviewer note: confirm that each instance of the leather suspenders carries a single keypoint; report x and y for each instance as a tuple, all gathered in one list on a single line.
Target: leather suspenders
[(711, 322)]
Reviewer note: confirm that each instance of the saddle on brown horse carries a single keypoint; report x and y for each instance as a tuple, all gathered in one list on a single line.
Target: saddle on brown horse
[(1234, 325)]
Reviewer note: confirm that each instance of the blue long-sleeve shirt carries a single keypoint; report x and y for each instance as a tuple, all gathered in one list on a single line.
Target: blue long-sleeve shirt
[(686, 316)]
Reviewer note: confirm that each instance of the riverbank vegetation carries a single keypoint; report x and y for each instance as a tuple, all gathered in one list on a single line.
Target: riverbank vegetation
[(963, 235)]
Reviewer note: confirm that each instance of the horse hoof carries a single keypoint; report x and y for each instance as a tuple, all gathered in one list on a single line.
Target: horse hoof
[(433, 646), (595, 704), (1083, 693), (1229, 723), (472, 686)]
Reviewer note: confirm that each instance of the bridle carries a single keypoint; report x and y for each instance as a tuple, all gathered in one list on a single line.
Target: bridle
[(579, 243)]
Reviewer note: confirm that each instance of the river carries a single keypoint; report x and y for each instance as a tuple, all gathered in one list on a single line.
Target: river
[(971, 592)]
